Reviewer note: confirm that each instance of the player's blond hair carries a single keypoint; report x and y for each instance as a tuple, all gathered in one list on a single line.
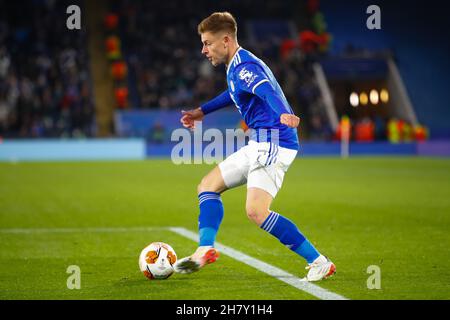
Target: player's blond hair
[(218, 22)]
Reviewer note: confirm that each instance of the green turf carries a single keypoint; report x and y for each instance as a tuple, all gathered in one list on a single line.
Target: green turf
[(389, 212)]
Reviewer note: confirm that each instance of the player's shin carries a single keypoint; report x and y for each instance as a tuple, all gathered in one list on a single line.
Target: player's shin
[(289, 235), (211, 215)]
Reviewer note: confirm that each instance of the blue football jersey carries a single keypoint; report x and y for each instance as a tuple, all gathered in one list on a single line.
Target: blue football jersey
[(245, 73)]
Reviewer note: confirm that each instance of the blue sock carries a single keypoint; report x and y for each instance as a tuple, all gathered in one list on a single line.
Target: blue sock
[(289, 235), (211, 215)]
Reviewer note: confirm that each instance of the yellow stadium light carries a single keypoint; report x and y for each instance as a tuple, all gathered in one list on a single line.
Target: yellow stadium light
[(363, 98), (354, 100), (374, 97), (384, 95)]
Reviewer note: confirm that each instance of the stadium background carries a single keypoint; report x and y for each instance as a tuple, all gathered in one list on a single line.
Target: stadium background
[(114, 90)]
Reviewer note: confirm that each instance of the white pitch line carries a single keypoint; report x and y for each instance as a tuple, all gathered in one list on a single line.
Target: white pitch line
[(77, 230), (275, 272)]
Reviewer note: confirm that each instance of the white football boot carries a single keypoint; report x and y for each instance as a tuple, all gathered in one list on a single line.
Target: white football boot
[(201, 257), (319, 269)]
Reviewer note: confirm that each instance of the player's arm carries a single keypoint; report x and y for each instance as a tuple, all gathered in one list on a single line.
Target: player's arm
[(252, 79), (189, 117), (266, 92), (221, 101)]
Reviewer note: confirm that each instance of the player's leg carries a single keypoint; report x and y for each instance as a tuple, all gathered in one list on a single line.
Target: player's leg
[(263, 184), (212, 182), (258, 210), (257, 205), (209, 219), (211, 207), (230, 173)]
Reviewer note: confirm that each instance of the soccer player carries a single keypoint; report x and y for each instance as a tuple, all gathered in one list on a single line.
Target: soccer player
[(262, 163)]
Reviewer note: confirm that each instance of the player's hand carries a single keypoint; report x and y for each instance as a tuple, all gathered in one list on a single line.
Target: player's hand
[(189, 117), (291, 120)]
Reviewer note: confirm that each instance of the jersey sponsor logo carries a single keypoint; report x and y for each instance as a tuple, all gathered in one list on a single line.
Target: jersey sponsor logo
[(247, 76)]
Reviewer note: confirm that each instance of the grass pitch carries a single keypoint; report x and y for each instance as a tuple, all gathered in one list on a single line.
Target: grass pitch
[(390, 212)]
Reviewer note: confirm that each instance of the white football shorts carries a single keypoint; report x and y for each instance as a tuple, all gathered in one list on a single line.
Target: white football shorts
[(261, 164)]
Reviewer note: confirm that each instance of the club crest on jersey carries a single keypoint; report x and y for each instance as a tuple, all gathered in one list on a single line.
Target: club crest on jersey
[(247, 76)]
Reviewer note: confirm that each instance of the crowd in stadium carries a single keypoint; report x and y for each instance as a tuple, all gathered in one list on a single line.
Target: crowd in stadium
[(172, 74), (46, 88), (45, 85)]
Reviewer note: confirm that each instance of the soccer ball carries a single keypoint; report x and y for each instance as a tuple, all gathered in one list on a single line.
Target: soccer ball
[(156, 260)]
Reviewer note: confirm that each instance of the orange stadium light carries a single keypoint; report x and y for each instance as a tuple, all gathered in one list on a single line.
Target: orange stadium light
[(112, 43), (111, 21), (363, 98), (119, 70), (384, 96), (121, 97), (374, 97)]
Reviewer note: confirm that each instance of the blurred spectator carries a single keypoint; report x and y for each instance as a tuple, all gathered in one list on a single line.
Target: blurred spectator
[(364, 130), (399, 130), (45, 88), (121, 94), (173, 73), (393, 131), (311, 42), (157, 133), (380, 128), (319, 130), (344, 129), (407, 133), (420, 133)]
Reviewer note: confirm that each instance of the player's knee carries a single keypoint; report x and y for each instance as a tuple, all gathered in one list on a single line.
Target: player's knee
[(206, 185), (201, 187), (255, 213)]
